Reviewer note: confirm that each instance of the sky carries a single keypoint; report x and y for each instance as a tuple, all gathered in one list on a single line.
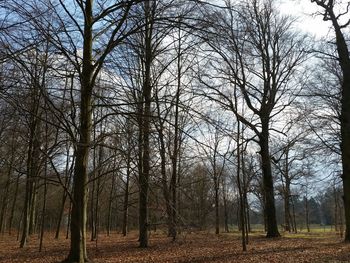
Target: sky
[(309, 20)]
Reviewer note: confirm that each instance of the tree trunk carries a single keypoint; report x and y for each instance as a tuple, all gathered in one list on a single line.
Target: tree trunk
[(225, 207), (270, 210), (32, 171), (165, 188), (69, 218), (146, 121), (43, 212), (91, 217), (5, 200), (78, 251), (126, 195), (217, 215), (294, 225), (345, 147), (13, 206), (240, 190), (68, 177), (58, 227), (307, 214), (110, 202), (287, 207), (344, 62), (175, 153)]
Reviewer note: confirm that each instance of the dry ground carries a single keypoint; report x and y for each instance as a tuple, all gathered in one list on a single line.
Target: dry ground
[(190, 247)]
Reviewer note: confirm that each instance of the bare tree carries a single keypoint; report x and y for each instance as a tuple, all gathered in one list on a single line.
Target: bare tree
[(343, 55), (259, 61)]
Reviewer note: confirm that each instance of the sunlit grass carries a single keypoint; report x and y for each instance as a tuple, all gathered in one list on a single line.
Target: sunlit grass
[(316, 231)]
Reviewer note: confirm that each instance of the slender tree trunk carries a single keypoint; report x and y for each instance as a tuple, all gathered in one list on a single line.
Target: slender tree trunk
[(240, 190), (146, 129), (43, 212), (244, 193), (69, 218), (29, 189), (126, 195), (287, 207), (61, 211), (335, 209), (110, 203), (175, 153), (217, 215), (32, 169), (13, 206), (33, 210), (4, 205), (341, 223), (26, 213), (249, 229), (68, 177), (295, 230), (225, 207), (307, 214), (91, 217), (97, 203), (287, 193), (165, 188)]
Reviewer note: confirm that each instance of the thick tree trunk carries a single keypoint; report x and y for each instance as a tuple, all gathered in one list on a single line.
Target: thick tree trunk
[(344, 62), (270, 210), (78, 251), (345, 147), (79, 214)]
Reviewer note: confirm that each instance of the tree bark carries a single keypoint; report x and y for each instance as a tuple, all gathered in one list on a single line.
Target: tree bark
[(146, 121), (78, 251), (126, 193), (13, 206), (32, 167), (270, 210), (217, 215), (344, 62)]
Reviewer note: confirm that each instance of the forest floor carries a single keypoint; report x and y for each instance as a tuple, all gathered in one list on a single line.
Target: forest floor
[(192, 247)]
